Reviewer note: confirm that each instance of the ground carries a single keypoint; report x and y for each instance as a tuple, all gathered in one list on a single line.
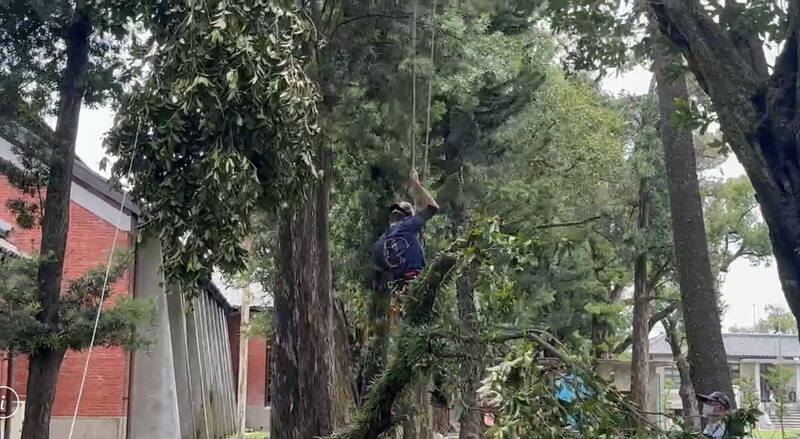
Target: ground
[(776, 434), (255, 435)]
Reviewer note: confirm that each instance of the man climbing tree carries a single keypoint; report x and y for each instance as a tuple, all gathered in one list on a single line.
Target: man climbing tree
[(398, 252)]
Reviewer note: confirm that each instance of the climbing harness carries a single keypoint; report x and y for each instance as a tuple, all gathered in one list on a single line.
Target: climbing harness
[(105, 284), (397, 290)]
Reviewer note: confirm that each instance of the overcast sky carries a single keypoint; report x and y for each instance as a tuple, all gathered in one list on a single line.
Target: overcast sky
[(747, 289)]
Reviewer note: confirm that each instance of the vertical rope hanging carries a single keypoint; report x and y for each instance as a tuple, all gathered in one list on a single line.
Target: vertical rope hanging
[(413, 131), (430, 92), (105, 285)]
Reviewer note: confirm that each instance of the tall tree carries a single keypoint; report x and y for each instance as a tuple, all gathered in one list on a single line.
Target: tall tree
[(701, 314), (757, 110), (228, 121), (640, 362), (68, 49)]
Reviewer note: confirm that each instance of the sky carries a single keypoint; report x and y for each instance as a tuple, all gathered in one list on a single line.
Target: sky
[(746, 291)]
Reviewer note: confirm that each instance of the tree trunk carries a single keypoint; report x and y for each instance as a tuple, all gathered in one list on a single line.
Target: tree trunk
[(345, 393), (376, 414), (640, 364), (373, 358), (471, 419), (709, 366), (44, 364), (42, 375), (303, 380), (758, 113), (686, 391), (415, 405)]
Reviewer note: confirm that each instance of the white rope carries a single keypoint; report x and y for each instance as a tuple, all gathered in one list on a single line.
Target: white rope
[(414, 90), (105, 284), (430, 93)]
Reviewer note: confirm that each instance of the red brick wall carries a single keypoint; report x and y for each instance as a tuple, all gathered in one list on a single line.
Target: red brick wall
[(257, 363), (88, 244)]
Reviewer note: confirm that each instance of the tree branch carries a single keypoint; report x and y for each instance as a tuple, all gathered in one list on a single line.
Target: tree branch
[(655, 318), (567, 224), (375, 416), (702, 40)]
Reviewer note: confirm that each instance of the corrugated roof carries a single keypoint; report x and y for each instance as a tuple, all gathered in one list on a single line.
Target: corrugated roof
[(83, 174), (745, 345), (9, 249), (232, 291)]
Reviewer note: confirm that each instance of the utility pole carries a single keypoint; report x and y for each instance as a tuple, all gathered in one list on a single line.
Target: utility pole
[(244, 323)]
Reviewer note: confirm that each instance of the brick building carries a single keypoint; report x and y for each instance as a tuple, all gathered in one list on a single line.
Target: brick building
[(123, 397), (94, 209)]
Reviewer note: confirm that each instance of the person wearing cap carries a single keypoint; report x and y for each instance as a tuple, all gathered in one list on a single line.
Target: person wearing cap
[(714, 407), (399, 250)]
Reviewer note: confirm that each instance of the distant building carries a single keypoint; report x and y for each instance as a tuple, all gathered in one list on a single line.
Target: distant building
[(750, 357), (182, 385)]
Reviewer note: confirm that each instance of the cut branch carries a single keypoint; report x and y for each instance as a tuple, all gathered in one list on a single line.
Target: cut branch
[(375, 415)]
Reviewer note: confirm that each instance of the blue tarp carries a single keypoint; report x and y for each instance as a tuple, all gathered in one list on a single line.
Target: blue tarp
[(568, 388)]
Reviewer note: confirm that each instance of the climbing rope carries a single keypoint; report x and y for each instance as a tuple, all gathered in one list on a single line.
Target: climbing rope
[(430, 93), (105, 284), (414, 89)]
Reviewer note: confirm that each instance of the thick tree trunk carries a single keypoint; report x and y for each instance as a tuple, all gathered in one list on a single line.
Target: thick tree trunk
[(43, 368), (686, 391), (640, 364), (707, 357), (344, 388), (758, 114), (418, 411), (303, 380), (42, 375), (373, 357), (471, 419)]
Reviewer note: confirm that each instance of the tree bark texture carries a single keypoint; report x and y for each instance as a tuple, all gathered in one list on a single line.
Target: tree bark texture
[(759, 115), (709, 366), (344, 387), (42, 372), (471, 419), (689, 401), (640, 362), (417, 409), (44, 364), (303, 380)]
